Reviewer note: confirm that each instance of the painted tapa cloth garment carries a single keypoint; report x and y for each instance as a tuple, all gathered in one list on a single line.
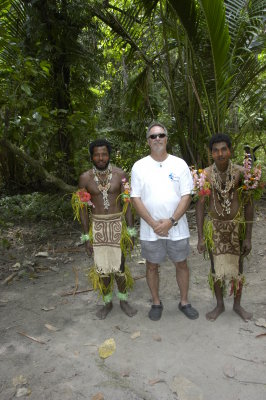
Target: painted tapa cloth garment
[(107, 230), (226, 249)]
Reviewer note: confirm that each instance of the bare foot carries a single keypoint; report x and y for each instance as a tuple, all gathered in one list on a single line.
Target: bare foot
[(127, 308), (104, 310), (246, 316), (214, 314)]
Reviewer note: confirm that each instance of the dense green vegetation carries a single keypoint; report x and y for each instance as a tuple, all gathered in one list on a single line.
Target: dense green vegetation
[(75, 70)]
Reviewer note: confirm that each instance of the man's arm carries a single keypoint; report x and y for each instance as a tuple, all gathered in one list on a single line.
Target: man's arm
[(200, 221), (162, 226), (182, 207), (143, 212), (166, 224), (84, 215)]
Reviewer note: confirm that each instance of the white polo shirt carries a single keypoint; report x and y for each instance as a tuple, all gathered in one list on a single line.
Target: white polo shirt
[(160, 185)]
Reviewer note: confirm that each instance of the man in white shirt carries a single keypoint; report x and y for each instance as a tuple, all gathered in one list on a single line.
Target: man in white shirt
[(161, 186)]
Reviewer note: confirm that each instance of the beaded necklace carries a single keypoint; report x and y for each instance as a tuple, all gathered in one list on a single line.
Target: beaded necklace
[(224, 190), (103, 184)]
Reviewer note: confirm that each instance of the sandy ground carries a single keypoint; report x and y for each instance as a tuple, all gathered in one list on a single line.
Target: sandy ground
[(49, 340)]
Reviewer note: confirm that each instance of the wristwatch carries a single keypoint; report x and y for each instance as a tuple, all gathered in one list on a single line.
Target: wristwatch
[(174, 222)]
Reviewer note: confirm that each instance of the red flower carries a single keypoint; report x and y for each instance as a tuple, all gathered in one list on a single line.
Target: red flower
[(84, 197), (204, 192)]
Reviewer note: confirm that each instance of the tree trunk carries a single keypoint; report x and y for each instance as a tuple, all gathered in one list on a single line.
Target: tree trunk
[(38, 168)]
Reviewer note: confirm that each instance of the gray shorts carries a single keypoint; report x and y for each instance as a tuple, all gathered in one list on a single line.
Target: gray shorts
[(156, 251)]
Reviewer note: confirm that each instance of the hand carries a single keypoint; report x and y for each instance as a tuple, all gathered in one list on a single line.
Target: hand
[(162, 227), (246, 247), (88, 248), (201, 246)]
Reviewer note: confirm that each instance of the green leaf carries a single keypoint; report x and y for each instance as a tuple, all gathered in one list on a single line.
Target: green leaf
[(25, 87)]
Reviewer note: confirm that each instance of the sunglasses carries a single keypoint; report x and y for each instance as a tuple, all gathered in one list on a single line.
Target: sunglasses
[(159, 135)]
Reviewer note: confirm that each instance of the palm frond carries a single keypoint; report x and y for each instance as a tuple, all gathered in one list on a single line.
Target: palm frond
[(245, 19), (188, 14), (138, 89)]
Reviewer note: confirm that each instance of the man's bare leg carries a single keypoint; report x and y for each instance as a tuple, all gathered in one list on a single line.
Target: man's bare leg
[(182, 279), (245, 315), (125, 306), (152, 278), (107, 307), (219, 309)]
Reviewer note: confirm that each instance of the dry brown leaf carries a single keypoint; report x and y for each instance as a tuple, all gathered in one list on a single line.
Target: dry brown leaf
[(262, 334), (19, 380), (48, 308), (31, 337), (51, 327), (23, 391), (135, 335), (261, 322), (125, 374), (42, 254), (229, 371), (98, 396), (154, 381)]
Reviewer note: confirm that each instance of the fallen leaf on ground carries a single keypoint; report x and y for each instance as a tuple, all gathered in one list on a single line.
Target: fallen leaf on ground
[(19, 380), (135, 335), (107, 348), (186, 389), (262, 334), (48, 308), (98, 396), (229, 371), (42, 254), (23, 391), (51, 327), (15, 267), (154, 381), (31, 337), (261, 322)]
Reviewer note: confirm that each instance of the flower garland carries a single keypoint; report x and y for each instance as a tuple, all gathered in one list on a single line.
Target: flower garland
[(125, 195), (80, 200), (253, 184), (201, 187)]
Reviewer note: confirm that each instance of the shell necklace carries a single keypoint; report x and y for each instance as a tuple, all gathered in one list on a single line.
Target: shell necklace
[(103, 184), (224, 190)]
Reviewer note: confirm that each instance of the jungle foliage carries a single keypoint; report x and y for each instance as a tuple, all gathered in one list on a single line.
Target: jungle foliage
[(75, 70)]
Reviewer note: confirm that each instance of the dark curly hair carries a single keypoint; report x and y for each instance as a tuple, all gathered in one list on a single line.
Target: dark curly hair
[(220, 137), (100, 143)]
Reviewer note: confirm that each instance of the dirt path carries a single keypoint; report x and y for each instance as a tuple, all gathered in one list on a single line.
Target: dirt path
[(49, 342)]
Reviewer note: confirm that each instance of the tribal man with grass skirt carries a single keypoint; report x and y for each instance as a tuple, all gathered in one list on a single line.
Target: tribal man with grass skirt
[(226, 232), (108, 232)]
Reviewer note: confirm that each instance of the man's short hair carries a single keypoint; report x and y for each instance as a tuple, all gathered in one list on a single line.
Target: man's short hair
[(155, 123), (220, 137), (100, 143)]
